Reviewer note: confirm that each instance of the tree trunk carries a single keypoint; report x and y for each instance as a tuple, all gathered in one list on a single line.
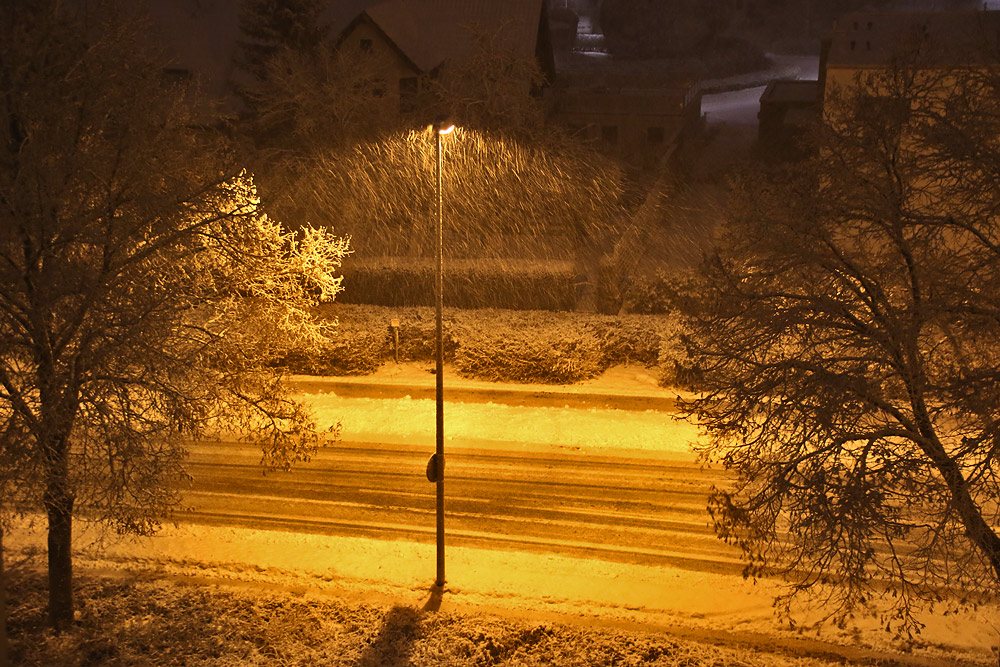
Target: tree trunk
[(977, 529), (59, 505)]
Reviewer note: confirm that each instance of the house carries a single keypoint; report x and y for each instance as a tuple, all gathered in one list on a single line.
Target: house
[(629, 117), (632, 117), (787, 110), (932, 41), (867, 43), (421, 38)]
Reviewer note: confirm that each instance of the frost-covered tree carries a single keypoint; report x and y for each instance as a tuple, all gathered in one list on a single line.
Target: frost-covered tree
[(143, 294), (845, 335)]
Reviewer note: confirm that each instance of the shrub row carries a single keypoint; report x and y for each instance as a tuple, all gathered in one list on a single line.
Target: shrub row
[(467, 284), (497, 345)]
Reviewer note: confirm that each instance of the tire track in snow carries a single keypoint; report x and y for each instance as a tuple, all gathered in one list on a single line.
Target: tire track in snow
[(611, 508)]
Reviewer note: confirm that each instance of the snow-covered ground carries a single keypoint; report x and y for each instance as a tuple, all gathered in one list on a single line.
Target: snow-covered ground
[(540, 586), (531, 585)]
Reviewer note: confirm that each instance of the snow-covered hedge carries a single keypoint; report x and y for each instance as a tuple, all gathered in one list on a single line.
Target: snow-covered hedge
[(498, 345), (530, 346)]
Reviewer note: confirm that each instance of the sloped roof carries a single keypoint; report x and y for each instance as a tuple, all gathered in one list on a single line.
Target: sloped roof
[(431, 32), (873, 39)]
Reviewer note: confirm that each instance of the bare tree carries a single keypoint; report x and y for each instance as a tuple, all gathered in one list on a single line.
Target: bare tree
[(142, 291), (492, 89), (845, 334), (311, 105), (268, 27)]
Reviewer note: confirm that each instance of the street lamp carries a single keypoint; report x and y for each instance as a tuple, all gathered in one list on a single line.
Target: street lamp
[(441, 127)]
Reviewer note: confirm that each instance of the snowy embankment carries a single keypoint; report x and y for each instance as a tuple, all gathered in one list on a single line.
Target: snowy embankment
[(493, 424)]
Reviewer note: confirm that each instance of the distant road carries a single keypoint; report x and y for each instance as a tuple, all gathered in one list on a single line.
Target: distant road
[(740, 105), (599, 507)]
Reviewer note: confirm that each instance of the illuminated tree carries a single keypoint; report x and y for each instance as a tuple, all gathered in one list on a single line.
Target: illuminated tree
[(143, 294), (845, 336)]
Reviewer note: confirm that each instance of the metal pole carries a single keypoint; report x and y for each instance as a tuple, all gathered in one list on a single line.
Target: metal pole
[(439, 307)]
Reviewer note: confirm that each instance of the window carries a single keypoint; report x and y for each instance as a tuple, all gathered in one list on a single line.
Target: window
[(609, 134), (407, 93), (366, 45)]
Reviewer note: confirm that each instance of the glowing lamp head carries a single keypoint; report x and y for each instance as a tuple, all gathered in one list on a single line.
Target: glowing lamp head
[(443, 125)]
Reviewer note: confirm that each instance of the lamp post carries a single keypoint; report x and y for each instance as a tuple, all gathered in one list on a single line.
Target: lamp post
[(441, 128)]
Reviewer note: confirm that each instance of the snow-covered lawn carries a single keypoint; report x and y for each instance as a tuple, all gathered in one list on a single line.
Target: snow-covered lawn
[(540, 588)]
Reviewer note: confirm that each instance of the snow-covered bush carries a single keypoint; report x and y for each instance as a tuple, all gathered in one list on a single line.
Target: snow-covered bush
[(497, 345), (535, 347), (631, 339)]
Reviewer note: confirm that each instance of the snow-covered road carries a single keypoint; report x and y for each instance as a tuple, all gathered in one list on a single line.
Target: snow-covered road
[(740, 106), (569, 502)]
